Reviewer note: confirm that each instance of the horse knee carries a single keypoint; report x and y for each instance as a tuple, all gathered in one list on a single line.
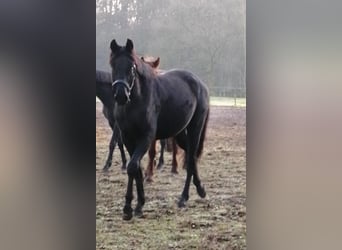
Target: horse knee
[(133, 168)]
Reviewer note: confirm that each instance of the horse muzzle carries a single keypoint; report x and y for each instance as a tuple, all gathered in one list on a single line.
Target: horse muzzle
[(121, 92)]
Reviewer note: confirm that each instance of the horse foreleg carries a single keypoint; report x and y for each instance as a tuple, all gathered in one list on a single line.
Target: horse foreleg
[(129, 197), (134, 169), (161, 157), (141, 194)]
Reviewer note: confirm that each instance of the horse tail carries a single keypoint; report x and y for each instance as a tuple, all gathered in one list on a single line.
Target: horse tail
[(201, 142)]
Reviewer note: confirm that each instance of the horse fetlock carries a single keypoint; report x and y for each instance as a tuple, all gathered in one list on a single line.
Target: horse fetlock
[(123, 167), (107, 165), (174, 170), (141, 201), (160, 165), (138, 211), (128, 212), (148, 178), (201, 191), (182, 202)]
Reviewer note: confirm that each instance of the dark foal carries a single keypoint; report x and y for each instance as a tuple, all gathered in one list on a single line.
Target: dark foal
[(104, 93), (152, 106)]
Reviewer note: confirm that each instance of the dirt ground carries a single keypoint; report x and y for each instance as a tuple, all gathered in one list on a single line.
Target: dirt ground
[(215, 222)]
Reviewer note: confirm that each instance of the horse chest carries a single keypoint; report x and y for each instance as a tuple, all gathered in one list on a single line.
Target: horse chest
[(132, 121)]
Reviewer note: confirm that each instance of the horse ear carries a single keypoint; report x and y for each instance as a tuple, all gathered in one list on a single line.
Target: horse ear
[(156, 63), (129, 45), (114, 46), (142, 59)]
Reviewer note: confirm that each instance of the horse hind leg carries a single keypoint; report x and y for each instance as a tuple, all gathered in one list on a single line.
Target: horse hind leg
[(174, 157), (151, 162), (141, 194), (193, 135), (123, 156), (127, 210), (110, 154), (199, 134), (183, 142), (122, 153), (117, 135)]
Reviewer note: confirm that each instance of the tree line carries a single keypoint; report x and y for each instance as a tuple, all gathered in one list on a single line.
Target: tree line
[(205, 37)]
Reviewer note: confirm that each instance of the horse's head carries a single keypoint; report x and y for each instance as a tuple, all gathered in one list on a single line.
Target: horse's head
[(124, 71), (154, 63)]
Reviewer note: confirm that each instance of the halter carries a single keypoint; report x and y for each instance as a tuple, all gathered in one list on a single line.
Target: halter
[(125, 83)]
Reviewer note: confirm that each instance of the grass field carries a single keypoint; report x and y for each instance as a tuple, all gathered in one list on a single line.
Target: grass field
[(227, 101)]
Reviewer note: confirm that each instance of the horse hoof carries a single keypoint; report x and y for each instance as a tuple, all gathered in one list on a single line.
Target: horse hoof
[(174, 171), (127, 216), (138, 213), (201, 192), (148, 179), (181, 203), (127, 213), (160, 166)]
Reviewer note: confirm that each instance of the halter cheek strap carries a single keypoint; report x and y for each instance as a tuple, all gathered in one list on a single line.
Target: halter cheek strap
[(125, 84)]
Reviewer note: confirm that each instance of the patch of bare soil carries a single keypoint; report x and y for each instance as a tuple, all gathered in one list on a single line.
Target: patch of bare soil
[(216, 222)]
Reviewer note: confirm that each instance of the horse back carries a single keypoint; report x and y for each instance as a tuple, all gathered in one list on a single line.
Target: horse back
[(104, 88)]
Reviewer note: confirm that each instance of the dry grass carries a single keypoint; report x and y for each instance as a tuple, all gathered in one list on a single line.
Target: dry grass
[(216, 222)]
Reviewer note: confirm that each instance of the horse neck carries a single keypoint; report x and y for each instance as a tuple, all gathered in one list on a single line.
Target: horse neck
[(144, 84), (104, 94), (143, 89)]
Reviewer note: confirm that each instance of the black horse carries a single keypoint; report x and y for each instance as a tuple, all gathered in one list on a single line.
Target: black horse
[(104, 93), (150, 105)]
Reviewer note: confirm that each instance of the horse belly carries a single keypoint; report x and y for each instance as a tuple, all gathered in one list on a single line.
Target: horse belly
[(172, 121)]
